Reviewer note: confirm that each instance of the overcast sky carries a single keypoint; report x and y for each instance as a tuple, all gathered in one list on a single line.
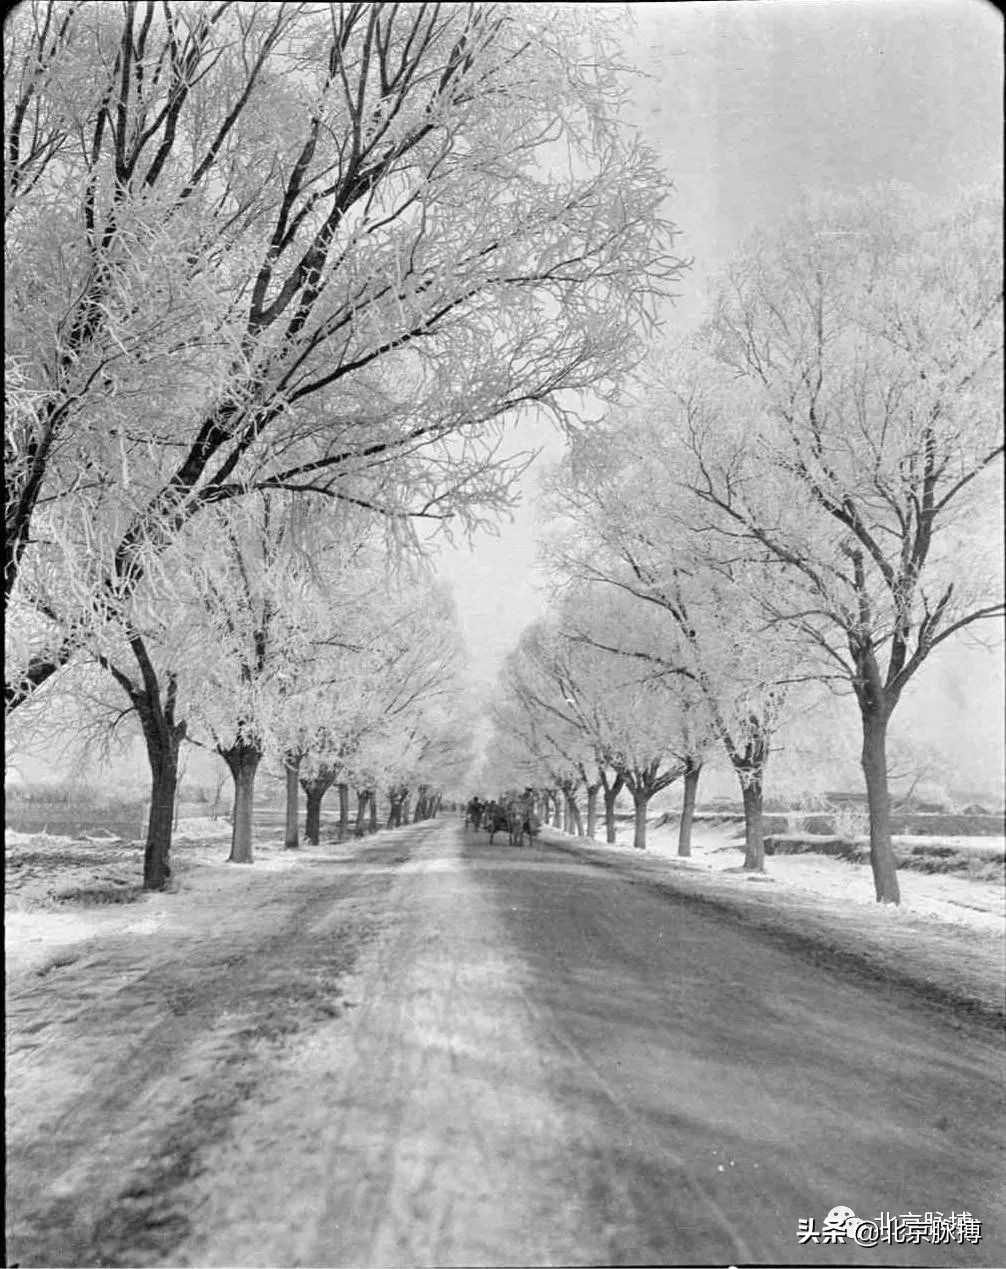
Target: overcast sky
[(748, 103)]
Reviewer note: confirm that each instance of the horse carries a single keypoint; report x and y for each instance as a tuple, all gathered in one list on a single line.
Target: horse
[(494, 819), (521, 819), (474, 812)]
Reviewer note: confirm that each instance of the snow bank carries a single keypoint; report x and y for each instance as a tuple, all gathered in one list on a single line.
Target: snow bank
[(201, 829), (980, 905), (43, 870)]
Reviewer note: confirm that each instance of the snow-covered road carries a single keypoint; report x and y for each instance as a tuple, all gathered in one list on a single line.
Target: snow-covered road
[(426, 1051)]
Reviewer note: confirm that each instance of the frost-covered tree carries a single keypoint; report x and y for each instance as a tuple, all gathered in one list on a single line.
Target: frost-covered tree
[(685, 618), (440, 740), (593, 714), (223, 640), (632, 701), (377, 658), (532, 746), (394, 717), (845, 435), (317, 248)]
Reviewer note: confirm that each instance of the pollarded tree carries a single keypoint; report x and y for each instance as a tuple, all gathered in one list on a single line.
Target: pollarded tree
[(433, 752), (532, 710), (556, 712), (143, 649), (650, 727), (445, 734), (847, 437), (592, 622), (387, 721), (316, 727), (317, 732), (532, 747), (690, 617), (327, 248), (291, 617), (591, 704), (225, 636)]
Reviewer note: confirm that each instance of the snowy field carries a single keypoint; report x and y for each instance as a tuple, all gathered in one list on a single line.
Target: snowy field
[(60, 891), (937, 895)]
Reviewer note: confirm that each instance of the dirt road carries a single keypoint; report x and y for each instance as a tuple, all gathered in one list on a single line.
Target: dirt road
[(428, 1052)]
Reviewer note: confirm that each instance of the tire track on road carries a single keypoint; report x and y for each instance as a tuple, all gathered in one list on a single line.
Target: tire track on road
[(109, 1118), (435, 1139)]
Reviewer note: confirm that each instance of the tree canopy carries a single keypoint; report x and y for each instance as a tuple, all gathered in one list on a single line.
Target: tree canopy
[(325, 248)]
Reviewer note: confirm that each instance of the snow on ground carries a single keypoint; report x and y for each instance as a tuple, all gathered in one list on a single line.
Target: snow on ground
[(940, 896), (41, 870), (201, 830)]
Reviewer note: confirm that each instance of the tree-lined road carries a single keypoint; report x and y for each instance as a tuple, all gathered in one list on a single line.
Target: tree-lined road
[(544, 1063)]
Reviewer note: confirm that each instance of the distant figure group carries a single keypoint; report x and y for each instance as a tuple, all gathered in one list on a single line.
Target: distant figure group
[(513, 814)]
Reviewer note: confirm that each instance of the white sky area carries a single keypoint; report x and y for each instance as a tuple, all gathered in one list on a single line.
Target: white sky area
[(748, 105)]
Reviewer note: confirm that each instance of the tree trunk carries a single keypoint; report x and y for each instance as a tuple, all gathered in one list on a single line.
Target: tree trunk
[(611, 793), (291, 841), (610, 831), (421, 803), (592, 790), (692, 773), (754, 845), (573, 815), (557, 812), (398, 814), (372, 821), (343, 812), (315, 789), (163, 755), (242, 759), (163, 738), (312, 818), (874, 762), (360, 827), (640, 800)]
